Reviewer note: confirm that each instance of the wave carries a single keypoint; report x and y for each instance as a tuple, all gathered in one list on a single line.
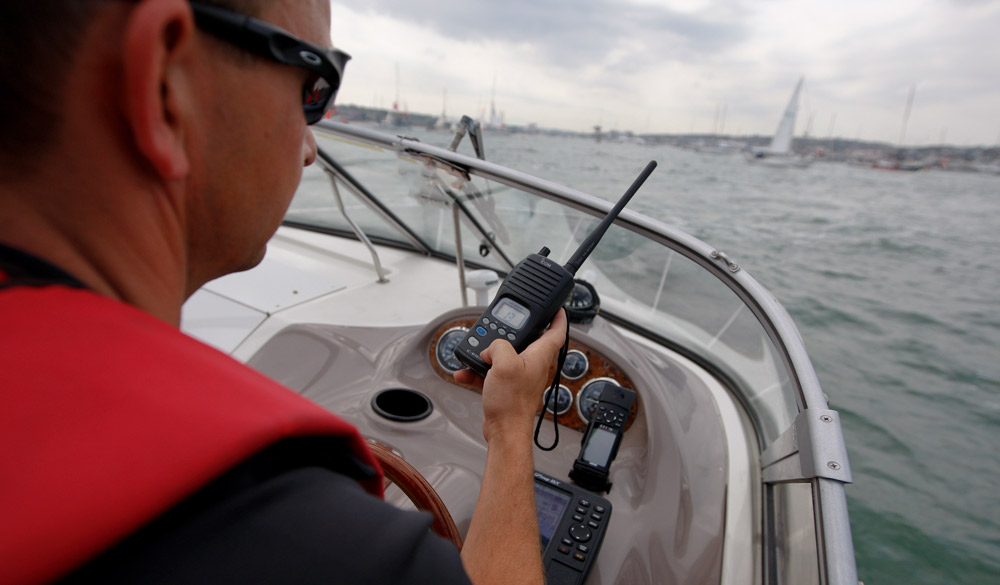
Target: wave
[(889, 549)]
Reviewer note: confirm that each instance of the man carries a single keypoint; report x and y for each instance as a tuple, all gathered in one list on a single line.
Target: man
[(129, 452)]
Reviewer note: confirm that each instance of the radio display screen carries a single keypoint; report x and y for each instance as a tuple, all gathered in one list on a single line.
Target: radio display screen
[(511, 313), (551, 504)]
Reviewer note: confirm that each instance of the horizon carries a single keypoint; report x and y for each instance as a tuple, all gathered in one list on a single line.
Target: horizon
[(543, 129), (686, 66)]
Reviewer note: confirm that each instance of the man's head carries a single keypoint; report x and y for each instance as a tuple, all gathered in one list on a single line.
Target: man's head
[(37, 47), (145, 122), (259, 103)]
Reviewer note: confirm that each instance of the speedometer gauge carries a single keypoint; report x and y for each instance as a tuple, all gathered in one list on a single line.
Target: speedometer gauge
[(445, 350), (589, 395)]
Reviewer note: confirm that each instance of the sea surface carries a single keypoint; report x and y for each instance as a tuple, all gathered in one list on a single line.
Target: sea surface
[(893, 279)]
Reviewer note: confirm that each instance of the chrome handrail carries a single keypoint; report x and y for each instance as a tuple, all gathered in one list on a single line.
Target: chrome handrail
[(354, 226)]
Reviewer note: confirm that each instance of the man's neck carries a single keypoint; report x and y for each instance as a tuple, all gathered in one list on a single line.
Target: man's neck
[(119, 246)]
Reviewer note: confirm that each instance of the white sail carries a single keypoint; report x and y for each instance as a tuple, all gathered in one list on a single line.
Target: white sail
[(779, 152), (782, 141)]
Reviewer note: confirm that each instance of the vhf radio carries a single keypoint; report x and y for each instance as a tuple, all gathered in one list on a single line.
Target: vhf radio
[(602, 438), (532, 293)]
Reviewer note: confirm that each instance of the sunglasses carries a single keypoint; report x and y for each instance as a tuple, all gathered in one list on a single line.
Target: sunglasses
[(326, 66)]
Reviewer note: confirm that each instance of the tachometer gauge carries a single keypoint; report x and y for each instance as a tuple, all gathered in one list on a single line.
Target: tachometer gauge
[(445, 351), (583, 303), (576, 365), (564, 399), (589, 395)]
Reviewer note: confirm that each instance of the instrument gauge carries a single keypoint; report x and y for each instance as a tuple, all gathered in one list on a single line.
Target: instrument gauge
[(583, 303), (564, 400), (445, 350), (576, 365), (587, 399)]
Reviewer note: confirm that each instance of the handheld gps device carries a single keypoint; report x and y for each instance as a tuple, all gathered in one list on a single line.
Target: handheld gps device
[(572, 524), (602, 438)]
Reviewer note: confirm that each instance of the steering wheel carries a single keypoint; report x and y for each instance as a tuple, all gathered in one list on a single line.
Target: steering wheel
[(418, 489)]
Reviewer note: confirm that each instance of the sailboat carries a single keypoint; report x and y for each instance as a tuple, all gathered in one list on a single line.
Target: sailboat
[(779, 152), (442, 122), (392, 117), (898, 160)]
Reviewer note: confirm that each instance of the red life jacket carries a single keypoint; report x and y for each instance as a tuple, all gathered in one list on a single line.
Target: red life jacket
[(110, 417)]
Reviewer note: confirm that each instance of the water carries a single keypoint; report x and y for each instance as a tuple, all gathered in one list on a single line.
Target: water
[(893, 280)]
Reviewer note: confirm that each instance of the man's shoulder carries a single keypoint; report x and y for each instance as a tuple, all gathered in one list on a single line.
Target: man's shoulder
[(53, 328), (131, 413)]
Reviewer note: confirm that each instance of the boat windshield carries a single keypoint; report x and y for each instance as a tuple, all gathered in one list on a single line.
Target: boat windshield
[(654, 280), (648, 276)]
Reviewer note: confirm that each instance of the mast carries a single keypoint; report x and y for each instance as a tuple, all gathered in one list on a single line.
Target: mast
[(493, 103), (906, 114)]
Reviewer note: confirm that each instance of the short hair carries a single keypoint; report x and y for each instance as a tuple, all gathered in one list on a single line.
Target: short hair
[(38, 41)]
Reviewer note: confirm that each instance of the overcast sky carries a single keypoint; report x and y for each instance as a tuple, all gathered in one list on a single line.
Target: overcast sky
[(682, 66)]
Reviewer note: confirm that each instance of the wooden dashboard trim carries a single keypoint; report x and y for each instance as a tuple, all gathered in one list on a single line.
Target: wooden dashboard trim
[(599, 367)]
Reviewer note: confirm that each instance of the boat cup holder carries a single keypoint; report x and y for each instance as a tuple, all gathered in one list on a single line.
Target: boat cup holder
[(402, 405)]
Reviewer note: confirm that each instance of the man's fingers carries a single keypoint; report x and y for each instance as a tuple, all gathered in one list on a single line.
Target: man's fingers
[(553, 339), (505, 361), (500, 355), (469, 377)]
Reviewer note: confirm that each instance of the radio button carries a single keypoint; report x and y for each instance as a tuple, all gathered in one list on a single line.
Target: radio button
[(480, 331), (473, 342)]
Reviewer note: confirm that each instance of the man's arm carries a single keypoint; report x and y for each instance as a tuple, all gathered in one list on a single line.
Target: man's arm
[(503, 544)]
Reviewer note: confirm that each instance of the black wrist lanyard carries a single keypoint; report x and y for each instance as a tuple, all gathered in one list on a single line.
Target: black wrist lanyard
[(553, 398)]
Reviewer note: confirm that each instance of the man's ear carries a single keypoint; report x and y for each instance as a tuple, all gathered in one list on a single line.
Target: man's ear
[(158, 40)]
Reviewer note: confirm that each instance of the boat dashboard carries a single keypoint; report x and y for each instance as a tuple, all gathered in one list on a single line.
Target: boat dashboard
[(669, 480)]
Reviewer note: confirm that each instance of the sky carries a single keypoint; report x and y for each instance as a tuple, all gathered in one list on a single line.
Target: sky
[(685, 66)]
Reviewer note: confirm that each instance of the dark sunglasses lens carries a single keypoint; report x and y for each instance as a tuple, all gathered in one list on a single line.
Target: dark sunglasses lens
[(317, 96)]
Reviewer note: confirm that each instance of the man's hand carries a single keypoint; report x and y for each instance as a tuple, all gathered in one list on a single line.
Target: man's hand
[(513, 388), (504, 519)]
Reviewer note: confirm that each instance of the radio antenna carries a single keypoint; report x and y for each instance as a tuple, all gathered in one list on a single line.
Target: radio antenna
[(588, 245)]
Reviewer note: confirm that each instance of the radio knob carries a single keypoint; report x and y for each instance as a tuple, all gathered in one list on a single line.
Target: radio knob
[(580, 533)]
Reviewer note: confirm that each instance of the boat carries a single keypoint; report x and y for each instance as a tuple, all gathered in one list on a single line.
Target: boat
[(731, 466), (779, 152), (720, 147), (898, 161)]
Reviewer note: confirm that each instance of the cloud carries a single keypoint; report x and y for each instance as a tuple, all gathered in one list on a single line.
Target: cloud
[(672, 65), (569, 34)]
